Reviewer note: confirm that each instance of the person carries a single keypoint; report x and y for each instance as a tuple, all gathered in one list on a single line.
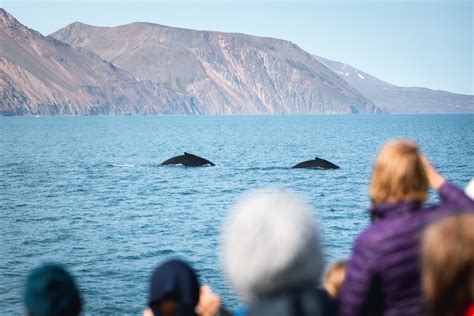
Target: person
[(51, 291), (383, 276), (175, 291), (272, 256), (334, 278), (447, 254), (469, 190)]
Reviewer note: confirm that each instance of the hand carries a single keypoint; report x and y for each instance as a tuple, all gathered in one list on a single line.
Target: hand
[(148, 312), (435, 180), (209, 302)]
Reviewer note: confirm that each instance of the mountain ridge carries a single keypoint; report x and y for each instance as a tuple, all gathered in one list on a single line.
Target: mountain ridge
[(148, 68), (228, 72), (407, 100), (43, 76)]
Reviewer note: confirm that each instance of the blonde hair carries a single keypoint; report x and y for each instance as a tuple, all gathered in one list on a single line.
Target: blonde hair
[(334, 278), (447, 252), (398, 174)]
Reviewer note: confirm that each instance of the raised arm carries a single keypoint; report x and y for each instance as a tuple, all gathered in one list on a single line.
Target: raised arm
[(448, 192), (435, 180)]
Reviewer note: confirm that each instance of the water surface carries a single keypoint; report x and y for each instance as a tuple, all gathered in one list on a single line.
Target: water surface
[(88, 192)]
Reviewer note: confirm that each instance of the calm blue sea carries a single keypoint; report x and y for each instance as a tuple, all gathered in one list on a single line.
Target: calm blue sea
[(88, 192)]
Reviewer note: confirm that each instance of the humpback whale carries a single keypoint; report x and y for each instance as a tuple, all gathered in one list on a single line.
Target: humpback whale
[(317, 163), (188, 160)]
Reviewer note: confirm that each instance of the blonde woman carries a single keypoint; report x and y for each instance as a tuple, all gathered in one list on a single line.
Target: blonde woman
[(383, 276)]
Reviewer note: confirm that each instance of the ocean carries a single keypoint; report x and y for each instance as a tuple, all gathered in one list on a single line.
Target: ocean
[(89, 192)]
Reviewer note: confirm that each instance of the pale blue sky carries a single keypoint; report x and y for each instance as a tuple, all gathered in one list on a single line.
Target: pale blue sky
[(408, 43)]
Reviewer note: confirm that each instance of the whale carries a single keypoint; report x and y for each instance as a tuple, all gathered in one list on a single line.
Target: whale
[(188, 160), (316, 163)]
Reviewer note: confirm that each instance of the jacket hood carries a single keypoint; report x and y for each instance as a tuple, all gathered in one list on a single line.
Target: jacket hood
[(174, 279)]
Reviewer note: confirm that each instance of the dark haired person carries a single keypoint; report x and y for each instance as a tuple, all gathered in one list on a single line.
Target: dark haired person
[(383, 276), (175, 291)]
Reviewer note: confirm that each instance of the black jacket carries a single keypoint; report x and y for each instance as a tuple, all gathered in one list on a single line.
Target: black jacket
[(302, 302)]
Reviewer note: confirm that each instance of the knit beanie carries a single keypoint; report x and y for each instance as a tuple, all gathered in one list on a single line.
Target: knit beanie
[(51, 291)]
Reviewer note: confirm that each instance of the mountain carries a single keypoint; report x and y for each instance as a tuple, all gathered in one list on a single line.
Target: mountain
[(225, 73), (41, 75), (401, 99)]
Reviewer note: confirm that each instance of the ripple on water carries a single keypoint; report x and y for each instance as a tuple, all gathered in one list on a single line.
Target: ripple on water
[(89, 191)]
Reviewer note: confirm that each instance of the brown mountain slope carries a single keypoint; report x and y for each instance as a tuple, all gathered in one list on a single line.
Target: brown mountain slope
[(225, 73), (41, 75)]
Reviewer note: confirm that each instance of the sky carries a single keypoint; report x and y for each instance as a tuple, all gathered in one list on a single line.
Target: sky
[(407, 43)]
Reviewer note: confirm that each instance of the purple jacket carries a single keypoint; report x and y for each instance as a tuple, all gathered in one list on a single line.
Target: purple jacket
[(384, 268)]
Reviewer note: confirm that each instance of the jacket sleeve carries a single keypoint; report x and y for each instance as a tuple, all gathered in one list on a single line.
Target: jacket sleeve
[(360, 277), (451, 194)]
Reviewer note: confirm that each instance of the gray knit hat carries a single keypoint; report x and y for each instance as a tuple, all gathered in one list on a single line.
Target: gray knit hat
[(270, 244)]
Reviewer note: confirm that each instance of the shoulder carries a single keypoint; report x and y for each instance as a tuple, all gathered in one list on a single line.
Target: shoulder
[(328, 305), (311, 301), (373, 243), (365, 253), (370, 237)]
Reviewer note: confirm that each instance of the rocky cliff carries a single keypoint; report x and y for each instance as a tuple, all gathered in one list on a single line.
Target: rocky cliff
[(225, 73), (41, 75), (401, 99)]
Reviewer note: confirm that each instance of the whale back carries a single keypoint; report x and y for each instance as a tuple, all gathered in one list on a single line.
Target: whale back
[(317, 163), (188, 160)]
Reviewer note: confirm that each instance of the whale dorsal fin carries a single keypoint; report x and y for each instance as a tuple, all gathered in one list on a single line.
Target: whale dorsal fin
[(186, 154)]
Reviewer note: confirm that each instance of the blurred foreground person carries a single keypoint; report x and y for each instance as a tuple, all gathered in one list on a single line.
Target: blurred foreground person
[(334, 278), (469, 190), (272, 256), (51, 291), (175, 291), (448, 266), (383, 276)]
